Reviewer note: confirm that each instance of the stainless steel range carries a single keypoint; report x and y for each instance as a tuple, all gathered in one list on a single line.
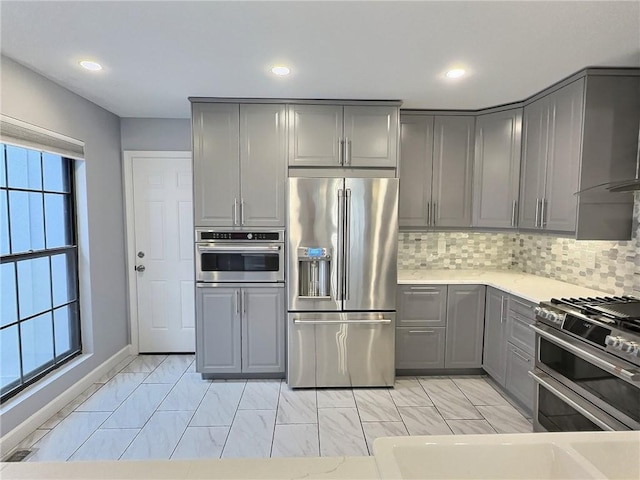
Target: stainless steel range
[(587, 373)]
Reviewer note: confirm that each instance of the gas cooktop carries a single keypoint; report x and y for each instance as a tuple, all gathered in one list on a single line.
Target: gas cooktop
[(623, 311)]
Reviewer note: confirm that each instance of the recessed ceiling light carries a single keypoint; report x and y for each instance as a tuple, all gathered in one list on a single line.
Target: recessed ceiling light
[(90, 65), (455, 73), (281, 70)]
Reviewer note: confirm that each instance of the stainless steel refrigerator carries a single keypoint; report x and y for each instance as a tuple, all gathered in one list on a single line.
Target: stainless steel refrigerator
[(341, 281)]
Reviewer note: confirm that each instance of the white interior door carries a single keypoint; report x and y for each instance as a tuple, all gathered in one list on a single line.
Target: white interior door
[(163, 215)]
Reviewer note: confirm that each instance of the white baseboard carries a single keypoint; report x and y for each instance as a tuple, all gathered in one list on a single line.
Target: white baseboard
[(12, 438)]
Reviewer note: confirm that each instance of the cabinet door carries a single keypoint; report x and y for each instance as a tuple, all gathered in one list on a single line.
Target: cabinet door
[(263, 337), (563, 157), (465, 326), (494, 352), (218, 330), (535, 125), (216, 166), (418, 347), (452, 170), (422, 305), (518, 382), (415, 166), (371, 134), (315, 132), (263, 165), (496, 173)]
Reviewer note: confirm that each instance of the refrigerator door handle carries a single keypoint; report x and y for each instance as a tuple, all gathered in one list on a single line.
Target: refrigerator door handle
[(340, 259), (383, 321), (347, 242)]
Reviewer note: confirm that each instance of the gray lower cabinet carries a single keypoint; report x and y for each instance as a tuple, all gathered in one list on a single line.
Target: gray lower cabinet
[(465, 326), (422, 305), (239, 164), (518, 382), (420, 348), (439, 326), (496, 172), (240, 330), (436, 162), (343, 136), (494, 354)]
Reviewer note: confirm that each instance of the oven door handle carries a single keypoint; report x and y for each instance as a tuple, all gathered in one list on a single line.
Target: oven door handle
[(246, 248), (571, 403), (630, 376)]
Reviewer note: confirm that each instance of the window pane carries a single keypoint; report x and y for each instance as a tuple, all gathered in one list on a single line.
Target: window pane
[(23, 168), (63, 278), (4, 223), (27, 221), (36, 339), (9, 299), (34, 286), (56, 208), (54, 169), (66, 330), (10, 356)]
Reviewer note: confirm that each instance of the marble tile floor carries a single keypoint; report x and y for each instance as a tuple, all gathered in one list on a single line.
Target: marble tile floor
[(158, 407)]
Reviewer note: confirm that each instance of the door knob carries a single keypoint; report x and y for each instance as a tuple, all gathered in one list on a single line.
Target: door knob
[(140, 268)]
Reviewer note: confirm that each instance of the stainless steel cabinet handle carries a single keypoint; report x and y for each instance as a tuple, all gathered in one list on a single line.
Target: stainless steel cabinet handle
[(630, 376), (543, 212), (244, 302), (340, 262), (237, 302), (347, 151), (338, 322), (235, 211), (340, 151), (537, 211), (428, 213), (242, 211), (347, 242), (423, 288), (502, 310), (570, 402), (435, 213), (421, 331), (513, 213)]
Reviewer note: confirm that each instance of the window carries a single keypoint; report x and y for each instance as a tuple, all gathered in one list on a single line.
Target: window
[(40, 322)]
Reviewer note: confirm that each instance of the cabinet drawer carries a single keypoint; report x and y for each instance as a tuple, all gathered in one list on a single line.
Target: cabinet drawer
[(420, 347), (422, 305), (518, 382), (519, 332), (522, 307)]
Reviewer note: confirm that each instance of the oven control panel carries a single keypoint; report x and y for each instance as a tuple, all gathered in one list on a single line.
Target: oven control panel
[(556, 318), (623, 345)]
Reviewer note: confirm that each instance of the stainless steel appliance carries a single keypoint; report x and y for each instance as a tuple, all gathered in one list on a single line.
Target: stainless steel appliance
[(232, 256), (341, 281), (587, 374)]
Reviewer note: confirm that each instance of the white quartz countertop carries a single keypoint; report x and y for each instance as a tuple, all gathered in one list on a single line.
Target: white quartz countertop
[(524, 285)]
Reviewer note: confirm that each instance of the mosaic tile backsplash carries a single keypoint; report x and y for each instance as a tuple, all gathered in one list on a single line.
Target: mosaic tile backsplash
[(613, 267)]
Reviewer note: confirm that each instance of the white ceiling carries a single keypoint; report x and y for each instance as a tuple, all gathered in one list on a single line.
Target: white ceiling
[(156, 54)]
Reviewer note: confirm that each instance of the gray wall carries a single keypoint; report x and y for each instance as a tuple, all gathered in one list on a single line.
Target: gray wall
[(170, 134), (32, 98)]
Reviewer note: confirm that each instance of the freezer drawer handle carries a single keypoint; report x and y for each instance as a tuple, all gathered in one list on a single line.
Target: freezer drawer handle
[(314, 297), (336, 322)]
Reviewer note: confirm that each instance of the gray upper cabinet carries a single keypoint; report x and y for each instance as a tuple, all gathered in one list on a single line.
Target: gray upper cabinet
[(239, 155), (263, 153), (582, 134), (216, 168), (465, 326), (435, 171), (496, 176), (218, 347), (551, 159), (495, 353), (343, 136), (263, 330)]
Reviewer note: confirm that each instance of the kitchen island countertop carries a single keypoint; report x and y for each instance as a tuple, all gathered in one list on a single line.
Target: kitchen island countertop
[(524, 285)]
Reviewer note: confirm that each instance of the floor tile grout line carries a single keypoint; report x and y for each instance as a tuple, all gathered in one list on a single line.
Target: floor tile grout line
[(364, 435), (226, 439), (275, 420)]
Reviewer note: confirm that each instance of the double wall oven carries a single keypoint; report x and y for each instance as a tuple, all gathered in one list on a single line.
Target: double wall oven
[(587, 367)]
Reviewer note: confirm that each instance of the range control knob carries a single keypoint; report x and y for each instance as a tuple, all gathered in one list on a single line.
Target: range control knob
[(553, 316), (629, 347), (614, 342), (537, 310)]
